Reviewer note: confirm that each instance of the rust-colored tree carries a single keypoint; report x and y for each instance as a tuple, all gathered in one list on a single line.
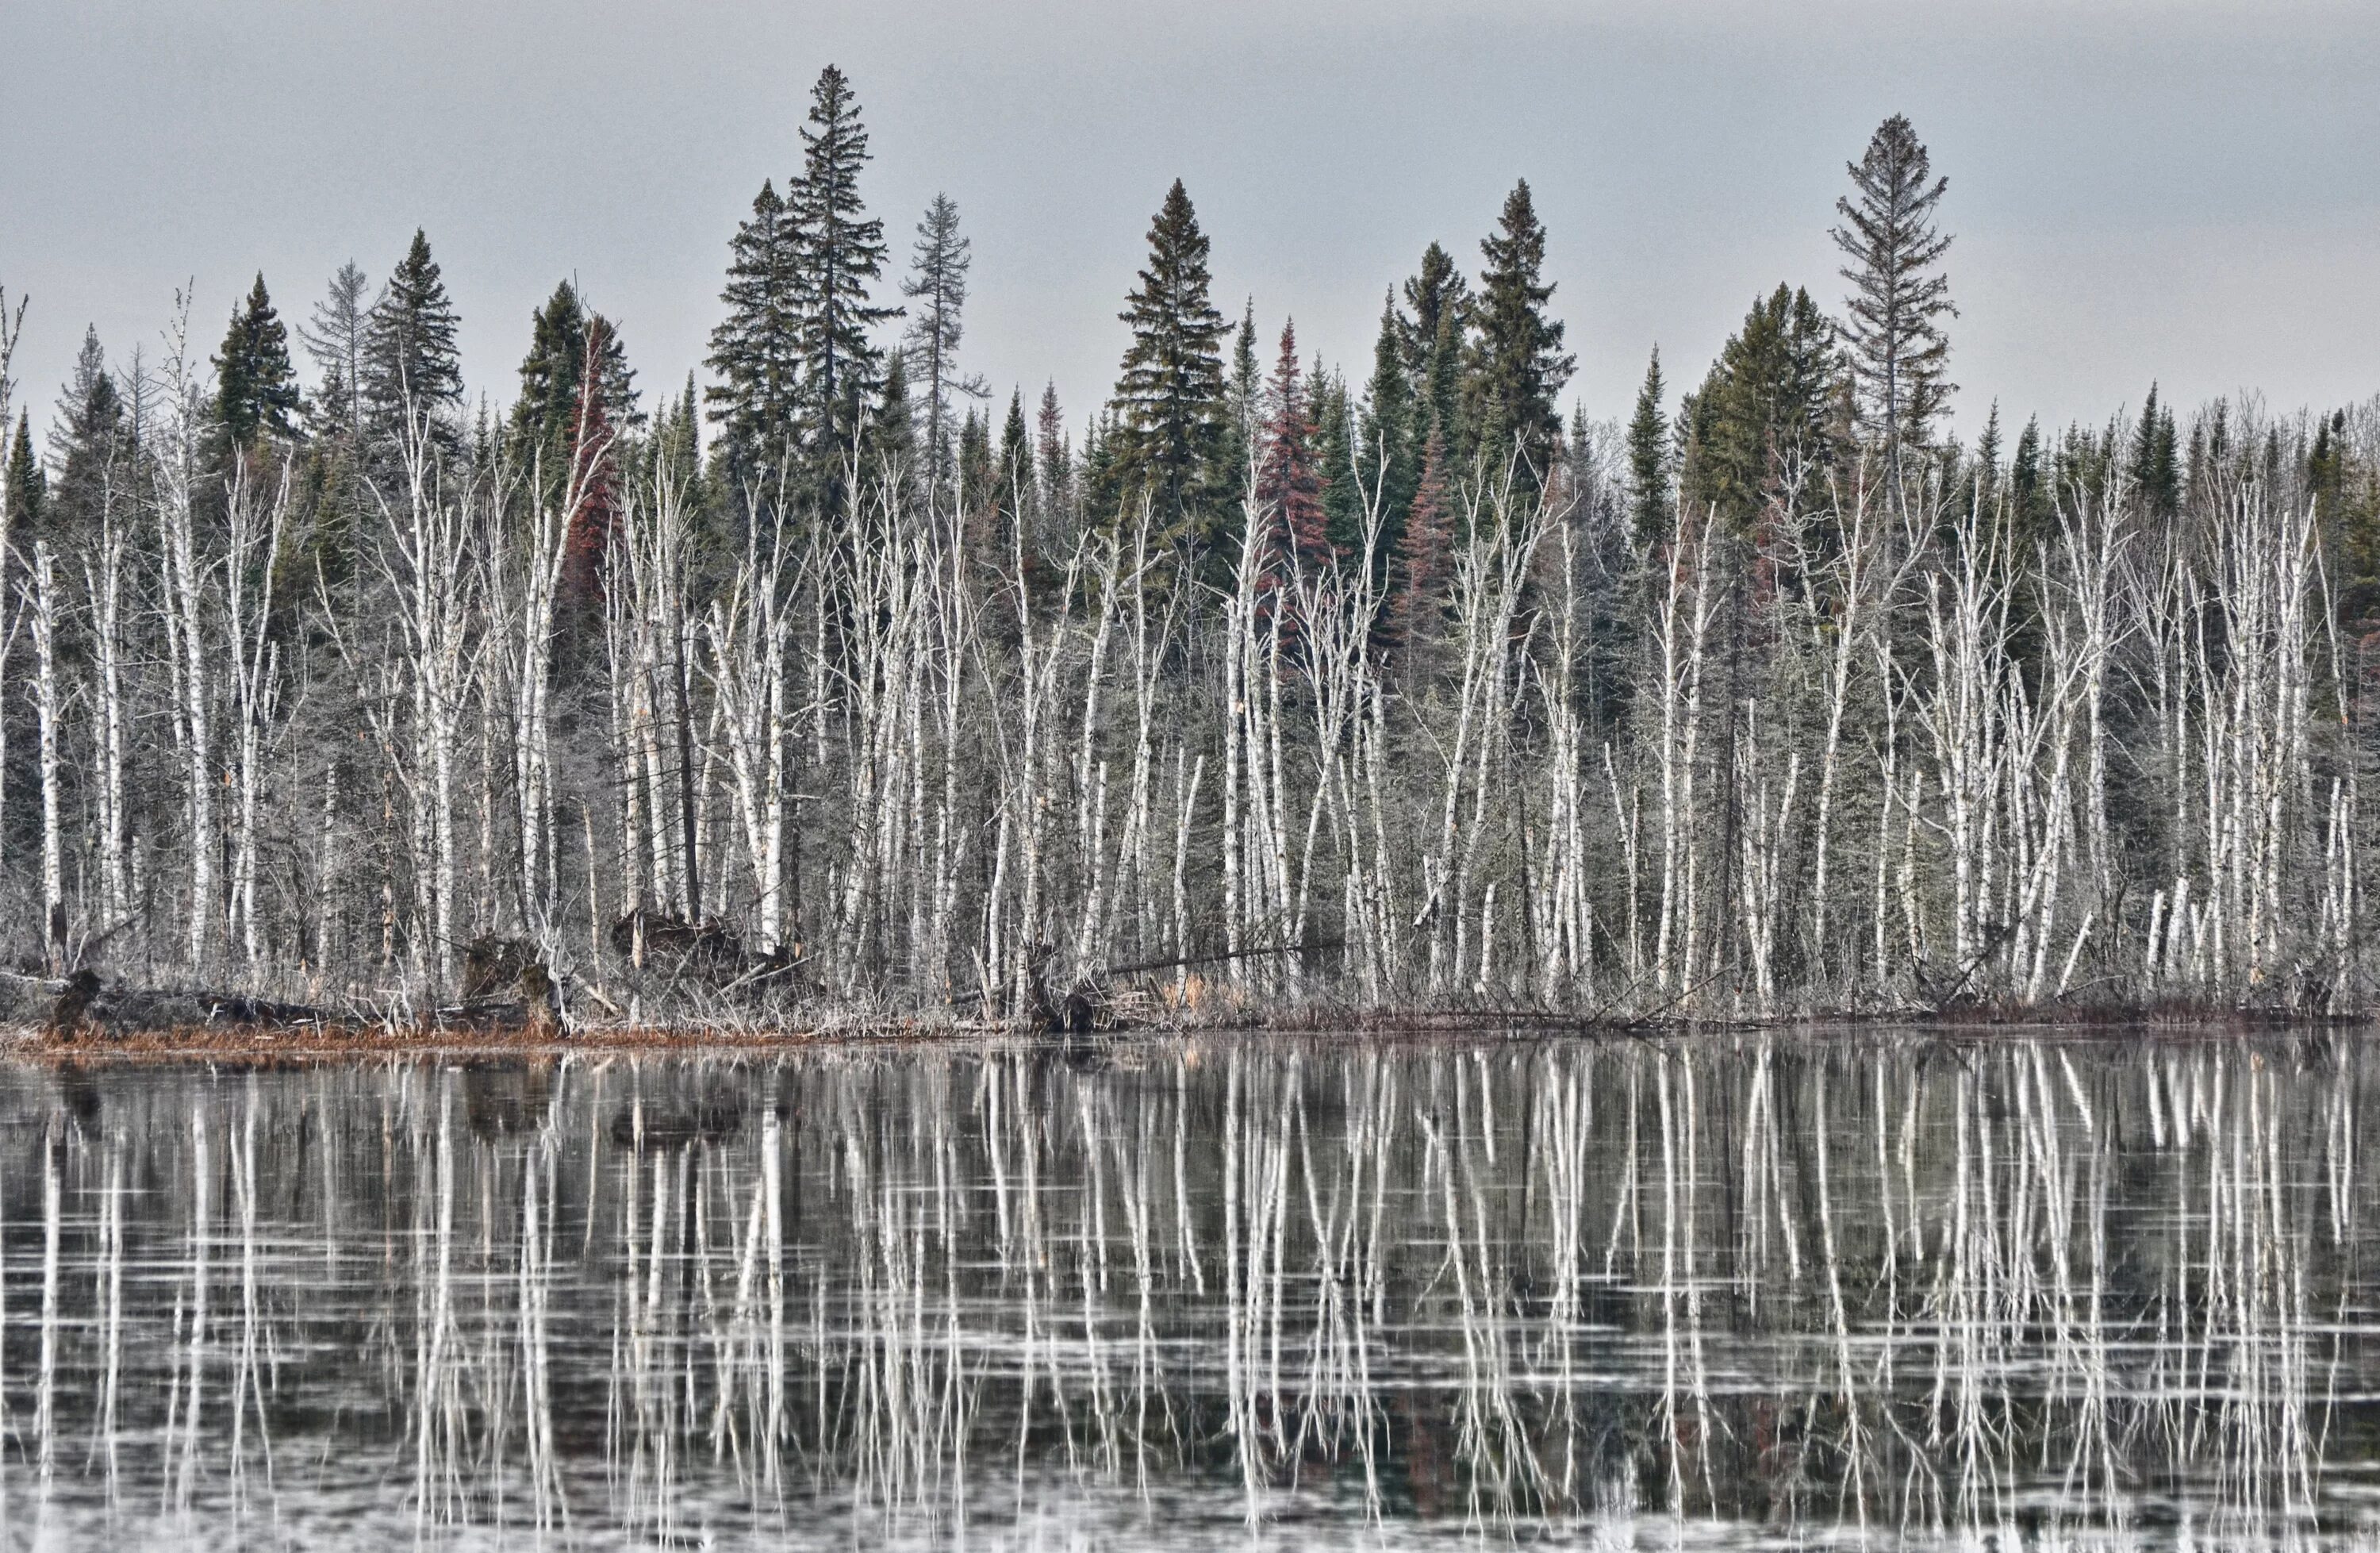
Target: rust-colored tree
[(1424, 553), (592, 493), (1289, 487)]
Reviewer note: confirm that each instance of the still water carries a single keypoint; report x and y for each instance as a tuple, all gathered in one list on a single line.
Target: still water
[(1244, 1292)]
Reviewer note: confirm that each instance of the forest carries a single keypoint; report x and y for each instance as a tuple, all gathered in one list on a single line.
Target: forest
[(825, 688)]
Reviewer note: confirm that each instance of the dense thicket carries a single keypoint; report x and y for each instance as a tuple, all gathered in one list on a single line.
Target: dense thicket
[(1276, 686)]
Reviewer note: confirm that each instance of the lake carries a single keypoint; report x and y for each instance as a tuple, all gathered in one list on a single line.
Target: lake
[(1218, 1293)]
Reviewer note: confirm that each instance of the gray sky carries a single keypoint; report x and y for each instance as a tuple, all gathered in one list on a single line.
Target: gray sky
[(2179, 191)]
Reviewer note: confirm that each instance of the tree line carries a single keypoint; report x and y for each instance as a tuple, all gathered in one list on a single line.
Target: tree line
[(819, 683)]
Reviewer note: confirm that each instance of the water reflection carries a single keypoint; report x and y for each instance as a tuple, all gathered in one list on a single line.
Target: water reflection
[(2017, 1292)]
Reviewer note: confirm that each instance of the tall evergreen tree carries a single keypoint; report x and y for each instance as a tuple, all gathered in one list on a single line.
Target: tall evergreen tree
[(976, 480), (1053, 461), (545, 419), (1424, 553), (1441, 304), (2031, 498), (1900, 357), (1765, 404), (892, 429), (2156, 460), (91, 443), (1170, 392), (1386, 459), (936, 284), (1648, 458), (1012, 467), (840, 252), (410, 353), (1289, 487), (256, 388), (1243, 407), (756, 350), (1334, 460), (1518, 366), (27, 487), (592, 462)]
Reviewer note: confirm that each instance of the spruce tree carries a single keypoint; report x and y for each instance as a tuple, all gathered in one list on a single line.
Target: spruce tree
[(591, 463), (1648, 458), (1386, 459), (841, 251), (1988, 474), (1763, 407), (2155, 464), (937, 286), (1012, 467), (410, 351), (1054, 465), (1441, 304), (1518, 366), (893, 431), (1424, 554), (756, 353), (91, 443), (256, 388), (976, 478), (545, 418), (2030, 500), (1900, 357), (1243, 408), (27, 487), (1334, 460), (410, 362), (1169, 396), (1289, 487)]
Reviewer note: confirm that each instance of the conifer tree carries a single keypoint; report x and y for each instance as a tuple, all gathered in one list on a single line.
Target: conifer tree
[(1988, 474), (2156, 463), (1424, 553), (335, 339), (410, 353), (1386, 455), (1053, 461), (592, 462), (1648, 458), (91, 442), (840, 252), (1900, 357), (937, 286), (2030, 509), (891, 435), (26, 486), (1012, 466), (1242, 405), (1765, 404), (676, 444), (756, 350), (1441, 304), (1169, 396), (545, 419), (1289, 487), (256, 388), (976, 478), (1334, 460), (1518, 366)]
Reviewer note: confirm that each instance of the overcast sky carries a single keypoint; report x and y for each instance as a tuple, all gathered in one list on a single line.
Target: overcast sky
[(2186, 193)]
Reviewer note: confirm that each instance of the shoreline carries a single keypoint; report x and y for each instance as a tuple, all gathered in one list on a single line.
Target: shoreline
[(249, 1043)]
